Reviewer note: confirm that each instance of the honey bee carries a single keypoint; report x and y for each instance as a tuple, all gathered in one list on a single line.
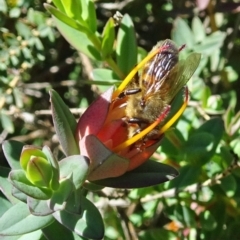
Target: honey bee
[(149, 94)]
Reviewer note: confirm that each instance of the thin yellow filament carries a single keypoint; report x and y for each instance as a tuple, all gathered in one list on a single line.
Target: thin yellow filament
[(176, 116), (142, 133), (130, 76), (163, 129)]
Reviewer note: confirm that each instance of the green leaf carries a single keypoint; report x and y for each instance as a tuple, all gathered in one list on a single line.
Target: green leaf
[(5, 204), (182, 34), (108, 39), (65, 19), (211, 43), (36, 235), (3, 6), (51, 230), (5, 185), (198, 147), (76, 166), (126, 48), (6, 121), (229, 186), (207, 220), (105, 78), (198, 29), (19, 180), (29, 152), (19, 195), (88, 224), (55, 167), (185, 215), (202, 144), (59, 5), (72, 8), (187, 175), (89, 14), (157, 234), (18, 220), (148, 174), (39, 172), (59, 197), (64, 123), (12, 151), (77, 35), (38, 207)]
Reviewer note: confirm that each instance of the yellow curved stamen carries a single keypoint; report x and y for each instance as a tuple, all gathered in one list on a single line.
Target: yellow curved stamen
[(142, 133), (153, 125), (130, 76), (176, 116)]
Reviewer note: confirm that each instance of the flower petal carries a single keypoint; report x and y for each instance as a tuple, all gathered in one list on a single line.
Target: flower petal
[(104, 163), (94, 117), (141, 157)]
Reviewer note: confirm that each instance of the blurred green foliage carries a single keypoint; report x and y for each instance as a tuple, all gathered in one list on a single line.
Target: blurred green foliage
[(203, 202)]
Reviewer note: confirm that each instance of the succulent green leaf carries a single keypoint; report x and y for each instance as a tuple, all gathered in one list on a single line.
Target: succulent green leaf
[(12, 151), (185, 215), (76, 166), (198, 148), (89, 14), (59, 197), (182, 34), (207, 221), (211, 43), (38, 207), (18, 220), (6, 120), (64, 123), (76, 34), (19, 195), (59, 5), (229, 186), (126, 49), (108, 39), (72, 8), (88, 224), (51, 230), (20, 181), (104, 74), (187, 175), (36, 235), (148, 174), (5, 185), (198, 29), (39, 172), (54, 184), (80, 25), (5, 205), (29, 152)]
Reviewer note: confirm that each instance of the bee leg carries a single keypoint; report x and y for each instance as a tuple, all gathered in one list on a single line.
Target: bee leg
[(138, 121), (129, 92)]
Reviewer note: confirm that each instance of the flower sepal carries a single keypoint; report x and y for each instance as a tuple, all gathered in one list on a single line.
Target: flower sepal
[(64, 123), (148, 174), (104, 163)]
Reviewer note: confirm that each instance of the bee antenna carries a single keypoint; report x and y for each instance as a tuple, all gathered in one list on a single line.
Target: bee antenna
[(182, 47)]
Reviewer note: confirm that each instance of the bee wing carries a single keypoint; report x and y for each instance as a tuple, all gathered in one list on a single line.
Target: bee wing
[(180, 75)]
